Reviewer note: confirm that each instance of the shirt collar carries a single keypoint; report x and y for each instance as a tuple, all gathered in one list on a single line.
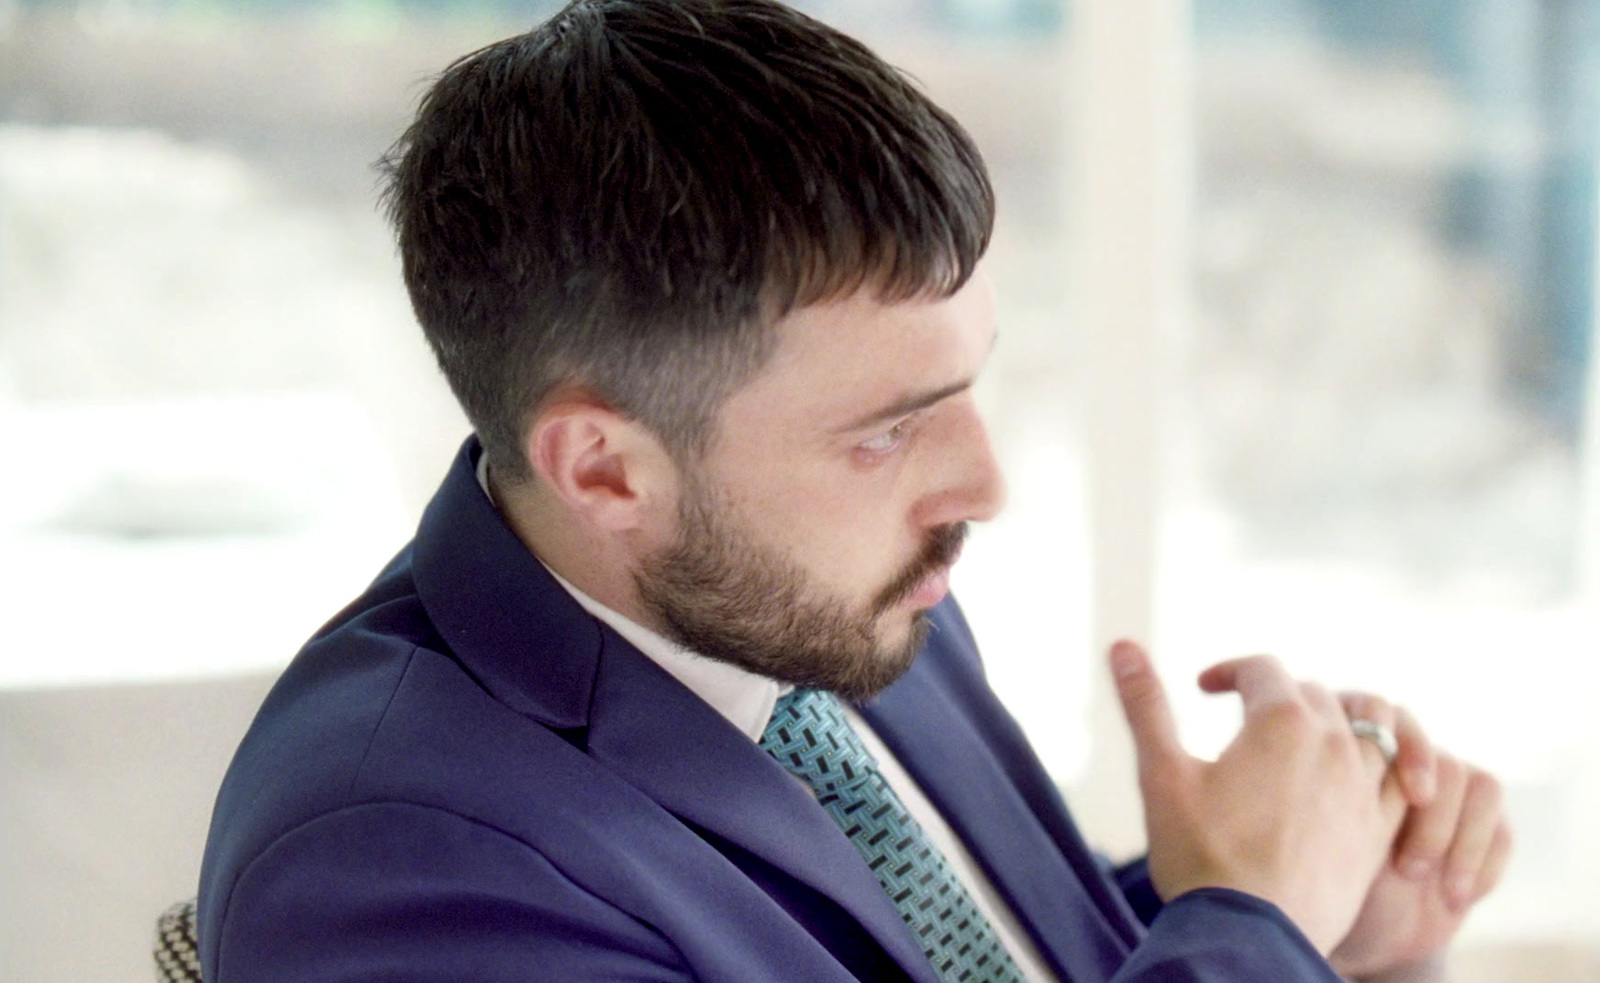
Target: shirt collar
[(744, 698)]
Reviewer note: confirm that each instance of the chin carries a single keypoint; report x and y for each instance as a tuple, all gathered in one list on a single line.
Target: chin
[(907, 630), (870, 671)]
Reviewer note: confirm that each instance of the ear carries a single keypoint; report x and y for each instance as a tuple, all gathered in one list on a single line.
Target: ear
[(607, 469)]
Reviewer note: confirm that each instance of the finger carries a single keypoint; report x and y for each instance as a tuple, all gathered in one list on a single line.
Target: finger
[(1144, 703), (1375, 710), (1475, 832), (1392, 802), (1429, 830), (1495, 864), (1365, 706), (1415, 762), (1260, 681)]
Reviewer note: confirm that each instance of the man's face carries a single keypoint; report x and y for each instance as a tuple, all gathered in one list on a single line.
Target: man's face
[(822, 523)]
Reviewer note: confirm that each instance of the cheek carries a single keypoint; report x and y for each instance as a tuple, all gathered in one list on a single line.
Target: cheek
[(848, 526), (840, 535)]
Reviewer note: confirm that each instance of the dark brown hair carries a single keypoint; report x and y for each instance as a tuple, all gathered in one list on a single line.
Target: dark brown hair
[(626, 197)]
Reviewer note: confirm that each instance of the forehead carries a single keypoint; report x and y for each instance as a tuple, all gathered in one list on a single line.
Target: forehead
[(835, 361)]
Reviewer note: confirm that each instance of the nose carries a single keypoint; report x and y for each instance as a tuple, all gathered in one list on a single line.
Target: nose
[(968, 485)]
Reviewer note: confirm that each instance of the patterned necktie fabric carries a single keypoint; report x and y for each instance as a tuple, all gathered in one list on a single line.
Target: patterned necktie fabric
[(810, 736)]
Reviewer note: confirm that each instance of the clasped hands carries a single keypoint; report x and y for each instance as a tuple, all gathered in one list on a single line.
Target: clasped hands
[(1376, 864)]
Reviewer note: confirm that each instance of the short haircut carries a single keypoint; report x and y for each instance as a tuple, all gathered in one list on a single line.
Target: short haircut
[(627, 197)]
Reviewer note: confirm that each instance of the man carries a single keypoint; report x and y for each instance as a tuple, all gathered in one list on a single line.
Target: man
[(667, 686)]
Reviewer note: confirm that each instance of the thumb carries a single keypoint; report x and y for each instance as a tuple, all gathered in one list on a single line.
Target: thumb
[(1144, 704)]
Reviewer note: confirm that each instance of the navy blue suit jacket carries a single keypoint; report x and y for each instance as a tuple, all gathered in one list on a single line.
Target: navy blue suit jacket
[(465, 776)]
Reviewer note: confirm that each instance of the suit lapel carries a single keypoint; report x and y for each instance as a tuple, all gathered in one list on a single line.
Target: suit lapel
[(668, 743), (937, 744), (531, 646)]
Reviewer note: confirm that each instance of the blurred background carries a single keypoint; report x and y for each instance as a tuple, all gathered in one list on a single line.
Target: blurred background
[(1298, 316)]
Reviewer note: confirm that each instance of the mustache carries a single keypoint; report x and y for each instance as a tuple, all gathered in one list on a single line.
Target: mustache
[(941, 550)]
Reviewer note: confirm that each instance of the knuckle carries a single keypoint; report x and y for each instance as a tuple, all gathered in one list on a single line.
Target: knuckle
[(1140, 689), (1485, 788), (1296, 719), (1315, 692), (1372, 707), (1336, 743)]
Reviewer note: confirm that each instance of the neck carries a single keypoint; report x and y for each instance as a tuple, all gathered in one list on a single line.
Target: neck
[(601, 566)]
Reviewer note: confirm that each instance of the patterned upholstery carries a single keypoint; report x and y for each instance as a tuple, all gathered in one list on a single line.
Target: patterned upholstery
[(177, 945)]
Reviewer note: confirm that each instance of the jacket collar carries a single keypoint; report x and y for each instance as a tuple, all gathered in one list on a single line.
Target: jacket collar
[(532, 647), (501, 613)]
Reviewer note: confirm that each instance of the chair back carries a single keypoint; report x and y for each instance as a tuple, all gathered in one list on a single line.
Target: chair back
[(177, 945)]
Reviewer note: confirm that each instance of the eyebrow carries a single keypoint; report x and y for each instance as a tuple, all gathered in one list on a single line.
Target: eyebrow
[(912, 402), (906, 405)]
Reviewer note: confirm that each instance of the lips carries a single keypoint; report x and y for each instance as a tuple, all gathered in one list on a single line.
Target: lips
[(926, 581), (931, 589)]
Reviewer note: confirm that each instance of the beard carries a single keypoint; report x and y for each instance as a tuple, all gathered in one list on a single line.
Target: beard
[(725, 595)]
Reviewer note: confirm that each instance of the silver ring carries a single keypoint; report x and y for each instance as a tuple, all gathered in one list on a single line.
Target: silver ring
[(1381, 737)]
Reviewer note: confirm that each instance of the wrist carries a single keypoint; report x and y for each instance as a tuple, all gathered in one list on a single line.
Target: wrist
[(1429, 969)]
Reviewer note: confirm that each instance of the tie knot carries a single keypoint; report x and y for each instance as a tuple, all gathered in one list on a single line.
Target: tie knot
[(809, 735)]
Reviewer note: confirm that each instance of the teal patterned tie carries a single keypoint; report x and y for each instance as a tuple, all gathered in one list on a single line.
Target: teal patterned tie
[(810, 736)]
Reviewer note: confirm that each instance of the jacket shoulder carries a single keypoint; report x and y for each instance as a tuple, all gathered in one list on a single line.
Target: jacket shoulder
[(400, 891)]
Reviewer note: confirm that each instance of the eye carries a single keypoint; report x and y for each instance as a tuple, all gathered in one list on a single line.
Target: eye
[(887, 441)]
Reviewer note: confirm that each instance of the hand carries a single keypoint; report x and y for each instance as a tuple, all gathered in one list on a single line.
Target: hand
[(1414, 756), (1295, 810), (1450, 852)]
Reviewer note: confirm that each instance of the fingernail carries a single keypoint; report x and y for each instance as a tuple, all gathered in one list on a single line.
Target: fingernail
[(1415, 868)]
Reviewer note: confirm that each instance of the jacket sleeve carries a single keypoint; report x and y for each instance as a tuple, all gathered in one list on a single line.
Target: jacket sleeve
[(1216, 935), (1133, 878), (1213, 934), (403, 893)]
